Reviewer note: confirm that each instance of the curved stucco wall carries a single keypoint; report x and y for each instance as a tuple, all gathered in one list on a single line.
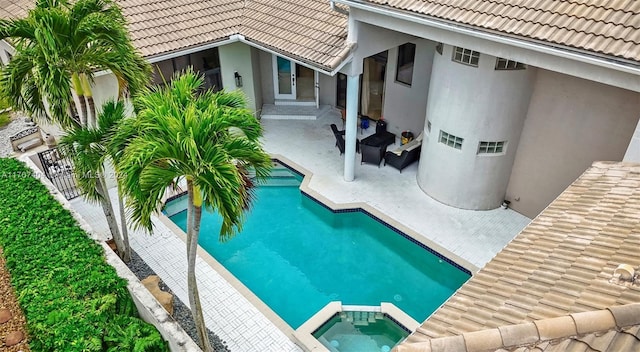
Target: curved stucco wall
[(476, 104)]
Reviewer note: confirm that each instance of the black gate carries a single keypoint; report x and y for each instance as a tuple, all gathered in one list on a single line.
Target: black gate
[(58, 167)]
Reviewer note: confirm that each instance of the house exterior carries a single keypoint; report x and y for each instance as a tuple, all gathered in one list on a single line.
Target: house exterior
[(515, 99)]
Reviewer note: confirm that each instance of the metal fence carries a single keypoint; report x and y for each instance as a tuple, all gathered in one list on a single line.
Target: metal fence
[(58, 167)]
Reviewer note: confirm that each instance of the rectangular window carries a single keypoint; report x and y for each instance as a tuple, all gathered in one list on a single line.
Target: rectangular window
[(491, 147), (506, 64), (466, 56), (451, 140), (404, 69)]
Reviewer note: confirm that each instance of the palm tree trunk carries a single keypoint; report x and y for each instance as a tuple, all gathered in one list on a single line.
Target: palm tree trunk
[(107, 208), (126, 255), (77, 86), (91, 111), (91, 108), (193, 232)]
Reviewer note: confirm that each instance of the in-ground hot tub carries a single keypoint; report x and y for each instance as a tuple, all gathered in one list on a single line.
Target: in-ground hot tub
[(338, 328)]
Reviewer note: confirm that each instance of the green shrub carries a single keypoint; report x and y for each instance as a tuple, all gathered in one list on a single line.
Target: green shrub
[(5, 118), (72, 299)]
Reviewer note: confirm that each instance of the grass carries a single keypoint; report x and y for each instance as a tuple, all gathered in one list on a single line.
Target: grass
[(5, 117)]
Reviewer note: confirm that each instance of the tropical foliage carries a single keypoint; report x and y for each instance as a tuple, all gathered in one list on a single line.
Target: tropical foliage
[(72, 299), (59, 47), (91, 149), (209, 139)]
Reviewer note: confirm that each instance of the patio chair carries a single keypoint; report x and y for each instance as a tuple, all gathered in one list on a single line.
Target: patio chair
[(340, 143), (372, 154), (405, 155)]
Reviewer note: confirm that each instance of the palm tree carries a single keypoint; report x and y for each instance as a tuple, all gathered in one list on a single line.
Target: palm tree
[(59, 46), (91, 149), (209, 139)]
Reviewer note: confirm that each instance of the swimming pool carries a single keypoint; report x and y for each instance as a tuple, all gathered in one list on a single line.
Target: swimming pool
[(296, 255)]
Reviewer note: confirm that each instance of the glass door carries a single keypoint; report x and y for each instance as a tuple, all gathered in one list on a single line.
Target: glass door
[(284, 78)]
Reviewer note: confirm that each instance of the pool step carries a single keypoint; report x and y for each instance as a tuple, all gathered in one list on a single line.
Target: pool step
[(281, 181), (361, 318), (281, 172)]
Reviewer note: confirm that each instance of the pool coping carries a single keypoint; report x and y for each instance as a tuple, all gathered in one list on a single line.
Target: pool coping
[(386, 220)]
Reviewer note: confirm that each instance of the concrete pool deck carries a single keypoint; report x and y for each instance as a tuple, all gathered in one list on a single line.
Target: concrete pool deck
[(473, 236)]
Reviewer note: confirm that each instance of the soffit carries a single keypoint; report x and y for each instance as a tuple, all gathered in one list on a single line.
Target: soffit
[(561, 263), (606, 27)]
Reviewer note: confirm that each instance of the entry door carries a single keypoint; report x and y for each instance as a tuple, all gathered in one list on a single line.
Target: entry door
[(284, 78)]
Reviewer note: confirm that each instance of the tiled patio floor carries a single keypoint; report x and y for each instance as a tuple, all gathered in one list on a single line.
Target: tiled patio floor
[(475, 236)]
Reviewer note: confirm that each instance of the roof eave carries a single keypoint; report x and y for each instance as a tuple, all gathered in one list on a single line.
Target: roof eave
[(608, 61)]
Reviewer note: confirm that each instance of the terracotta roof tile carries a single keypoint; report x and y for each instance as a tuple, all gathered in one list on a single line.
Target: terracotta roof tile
[(307, 30), (561, 266), (607, 27)]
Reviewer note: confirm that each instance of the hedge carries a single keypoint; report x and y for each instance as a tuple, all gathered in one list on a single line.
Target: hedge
[(72, 299)]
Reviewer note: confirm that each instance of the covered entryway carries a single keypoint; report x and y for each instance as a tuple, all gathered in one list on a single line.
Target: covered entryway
[(293, 84)]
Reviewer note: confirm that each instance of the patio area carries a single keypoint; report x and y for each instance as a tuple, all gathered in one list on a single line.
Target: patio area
[(234, 313), (475, 236)]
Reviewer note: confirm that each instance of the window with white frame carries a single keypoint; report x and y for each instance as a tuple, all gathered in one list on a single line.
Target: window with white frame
[(466, 56), (406, 57), (491, 147), (451, 140), (506, 64)]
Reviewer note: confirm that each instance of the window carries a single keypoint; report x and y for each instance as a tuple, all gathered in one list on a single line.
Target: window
[(451, 140), (466, 56), (406, 56), (491, 147), (341, 91), (439, 48), (505, 64)]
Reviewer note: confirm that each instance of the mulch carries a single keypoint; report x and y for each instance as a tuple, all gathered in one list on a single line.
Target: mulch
[(9, 301)]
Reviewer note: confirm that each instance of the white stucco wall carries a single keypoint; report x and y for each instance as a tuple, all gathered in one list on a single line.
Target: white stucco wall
[(266, 75), (104, 88), (477, 104), (633, 150), (404, 105), (571, 123), (5, 50), (255, 66), (328, 89), (372, 40), (236, 57)]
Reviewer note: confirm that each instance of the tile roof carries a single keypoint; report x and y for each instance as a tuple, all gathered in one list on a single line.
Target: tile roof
[(307, 30), (609, 27), (614, 329), (562, 263), (161, 26)]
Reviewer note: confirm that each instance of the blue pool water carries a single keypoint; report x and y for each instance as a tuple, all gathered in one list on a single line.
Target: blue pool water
[(297, 256)]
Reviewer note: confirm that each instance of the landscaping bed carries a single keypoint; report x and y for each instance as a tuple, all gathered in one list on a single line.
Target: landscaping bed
[(72, 299), (16, 322)]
